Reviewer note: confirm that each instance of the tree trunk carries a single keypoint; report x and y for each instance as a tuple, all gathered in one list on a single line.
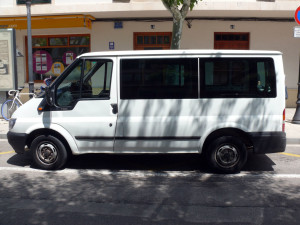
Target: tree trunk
[(178, 20), (177, 32)]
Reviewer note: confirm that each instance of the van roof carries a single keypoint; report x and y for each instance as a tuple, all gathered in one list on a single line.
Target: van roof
[(181, 52)]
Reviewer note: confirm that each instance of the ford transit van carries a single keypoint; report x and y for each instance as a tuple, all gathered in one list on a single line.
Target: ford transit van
[(222, 104)]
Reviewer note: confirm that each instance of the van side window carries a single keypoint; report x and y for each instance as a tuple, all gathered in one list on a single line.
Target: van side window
[(164, 78), (87, 79), (237, 78)]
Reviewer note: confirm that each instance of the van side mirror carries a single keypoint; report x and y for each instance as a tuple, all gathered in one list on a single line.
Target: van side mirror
[(49, 96)]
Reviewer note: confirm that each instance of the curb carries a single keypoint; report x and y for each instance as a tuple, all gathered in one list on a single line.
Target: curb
[(292, 141)]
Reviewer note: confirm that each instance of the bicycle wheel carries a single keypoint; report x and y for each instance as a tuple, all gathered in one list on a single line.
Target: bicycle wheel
[(8, 108)]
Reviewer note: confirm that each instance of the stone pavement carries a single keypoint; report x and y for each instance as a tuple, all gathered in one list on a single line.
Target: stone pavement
[(3, 128), (292, 130)]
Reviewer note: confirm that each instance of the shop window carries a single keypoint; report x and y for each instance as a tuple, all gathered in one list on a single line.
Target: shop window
[(38, 42), (52, 54), (152, 40), (63, 41), (80, 40)]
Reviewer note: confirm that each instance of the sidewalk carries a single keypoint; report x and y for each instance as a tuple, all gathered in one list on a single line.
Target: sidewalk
[(3, 128), (292, 130)]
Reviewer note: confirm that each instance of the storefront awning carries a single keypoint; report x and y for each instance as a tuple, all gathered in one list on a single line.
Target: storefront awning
[(44, 22)]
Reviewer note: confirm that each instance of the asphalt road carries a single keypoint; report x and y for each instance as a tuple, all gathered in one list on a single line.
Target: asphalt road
[(155, 189)]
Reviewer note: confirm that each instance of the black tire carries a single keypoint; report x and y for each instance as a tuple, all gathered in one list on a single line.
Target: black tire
[(48, 152), (227, 154)]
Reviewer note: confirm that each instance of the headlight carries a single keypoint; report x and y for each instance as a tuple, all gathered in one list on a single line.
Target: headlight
[(12, 123)]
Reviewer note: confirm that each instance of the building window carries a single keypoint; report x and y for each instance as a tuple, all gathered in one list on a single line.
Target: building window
[(51, 54), (152, 40), (231, 41)]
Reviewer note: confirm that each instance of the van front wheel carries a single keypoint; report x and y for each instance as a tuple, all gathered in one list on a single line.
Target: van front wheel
[(227, 154), (48, 152)]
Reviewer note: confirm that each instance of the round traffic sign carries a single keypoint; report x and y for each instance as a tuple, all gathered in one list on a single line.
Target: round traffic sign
[(297, 15)]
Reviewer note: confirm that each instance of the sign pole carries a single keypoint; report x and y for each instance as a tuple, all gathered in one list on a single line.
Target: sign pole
[(29, 44), (296, 118)]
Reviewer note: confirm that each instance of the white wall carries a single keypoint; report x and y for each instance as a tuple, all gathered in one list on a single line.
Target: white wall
[(104, 32), (5, 3), (263, 36), (72, 2)]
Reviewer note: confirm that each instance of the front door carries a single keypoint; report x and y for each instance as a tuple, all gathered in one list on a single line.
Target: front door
[(85, 97)]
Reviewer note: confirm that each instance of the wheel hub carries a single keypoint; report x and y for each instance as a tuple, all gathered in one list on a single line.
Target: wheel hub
[(227, 156), (47, 153)]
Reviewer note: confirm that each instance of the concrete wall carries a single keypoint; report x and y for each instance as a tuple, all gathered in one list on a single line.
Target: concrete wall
[(150, 8), (263, 36)]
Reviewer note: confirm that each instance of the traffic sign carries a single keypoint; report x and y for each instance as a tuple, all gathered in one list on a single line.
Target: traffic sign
[(111, 45), (297, 15), (297, 32)]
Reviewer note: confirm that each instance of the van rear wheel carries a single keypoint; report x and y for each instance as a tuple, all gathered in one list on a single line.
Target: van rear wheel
[(48, 152), (227, 154)]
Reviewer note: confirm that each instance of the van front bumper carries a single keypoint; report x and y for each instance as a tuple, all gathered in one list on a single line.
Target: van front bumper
[(17, 141), (268, 142)]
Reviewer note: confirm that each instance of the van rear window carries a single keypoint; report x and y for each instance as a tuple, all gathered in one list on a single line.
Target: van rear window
[(160, 78), (237, 77)]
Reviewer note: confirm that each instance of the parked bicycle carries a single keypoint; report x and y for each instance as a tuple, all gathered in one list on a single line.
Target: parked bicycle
[(11, 105)]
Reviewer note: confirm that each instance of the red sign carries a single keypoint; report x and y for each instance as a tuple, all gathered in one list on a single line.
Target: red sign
[(42, 62), (297, 15)]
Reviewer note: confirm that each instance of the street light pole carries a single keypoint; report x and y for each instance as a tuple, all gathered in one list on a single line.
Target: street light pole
[(29, 44)]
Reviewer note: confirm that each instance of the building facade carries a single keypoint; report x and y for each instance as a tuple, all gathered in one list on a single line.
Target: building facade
[(63, 29)]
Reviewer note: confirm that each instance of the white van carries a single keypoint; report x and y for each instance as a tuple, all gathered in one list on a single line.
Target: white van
[(220, 103)]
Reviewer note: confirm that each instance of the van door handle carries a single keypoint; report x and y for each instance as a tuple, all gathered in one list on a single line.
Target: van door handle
[(114, 108)]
